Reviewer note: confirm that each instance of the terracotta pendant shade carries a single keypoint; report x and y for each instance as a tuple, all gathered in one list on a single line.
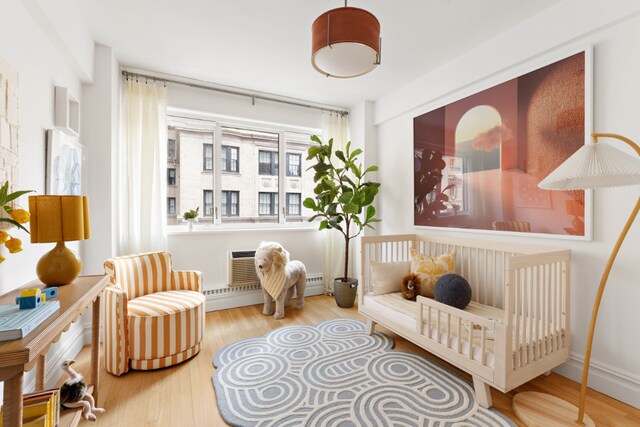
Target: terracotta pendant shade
[(345, 42)]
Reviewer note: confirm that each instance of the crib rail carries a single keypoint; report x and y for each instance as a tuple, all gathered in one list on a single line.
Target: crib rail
[(464, 333), (537, 308)]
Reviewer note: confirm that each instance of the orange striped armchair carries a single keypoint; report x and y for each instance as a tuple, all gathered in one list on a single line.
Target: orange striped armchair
[(154, 317)]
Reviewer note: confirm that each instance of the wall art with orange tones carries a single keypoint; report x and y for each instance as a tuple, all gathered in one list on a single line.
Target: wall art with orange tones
[(478, 160)]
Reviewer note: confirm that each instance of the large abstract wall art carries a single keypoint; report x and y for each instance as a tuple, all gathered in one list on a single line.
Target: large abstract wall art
[(478, 160)]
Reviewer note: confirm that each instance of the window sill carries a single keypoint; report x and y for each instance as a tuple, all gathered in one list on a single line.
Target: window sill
[(176, 230)]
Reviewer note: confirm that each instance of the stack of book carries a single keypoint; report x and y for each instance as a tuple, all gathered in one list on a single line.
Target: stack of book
[(16, 324), (41, 409)]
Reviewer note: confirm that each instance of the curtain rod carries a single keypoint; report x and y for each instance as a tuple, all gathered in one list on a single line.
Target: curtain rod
[(253, 97)]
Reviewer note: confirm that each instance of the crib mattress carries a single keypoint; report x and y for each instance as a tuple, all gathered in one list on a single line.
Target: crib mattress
[(404, 312)]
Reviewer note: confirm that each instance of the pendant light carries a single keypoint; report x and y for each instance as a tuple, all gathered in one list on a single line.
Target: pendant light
[(345, 42)]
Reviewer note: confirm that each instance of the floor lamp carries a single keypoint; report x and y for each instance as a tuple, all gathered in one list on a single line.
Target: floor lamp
[(592, 166)]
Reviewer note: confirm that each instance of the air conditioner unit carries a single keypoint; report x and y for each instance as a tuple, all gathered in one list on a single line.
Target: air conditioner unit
[(242, 270)]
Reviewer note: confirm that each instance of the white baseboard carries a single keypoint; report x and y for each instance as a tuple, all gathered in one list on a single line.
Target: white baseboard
[(224, 298), (607, 379)]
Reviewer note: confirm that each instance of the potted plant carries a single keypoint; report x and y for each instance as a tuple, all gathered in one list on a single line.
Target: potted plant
[(343, 199), (190, 217)]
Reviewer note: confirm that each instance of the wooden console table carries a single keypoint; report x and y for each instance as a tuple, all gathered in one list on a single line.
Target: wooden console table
[(18, 356)]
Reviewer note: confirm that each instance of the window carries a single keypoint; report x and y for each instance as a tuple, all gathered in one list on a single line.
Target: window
[(171, 176), (268, 162), (206, 172), (171, 149), (207, 202), (207, 157), (171, 205), (293, 203), (229, 156), (293, 164), (268, 203), (230, 203)]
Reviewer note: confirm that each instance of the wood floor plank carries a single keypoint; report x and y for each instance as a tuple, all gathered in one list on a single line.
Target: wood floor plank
[(183, 395)]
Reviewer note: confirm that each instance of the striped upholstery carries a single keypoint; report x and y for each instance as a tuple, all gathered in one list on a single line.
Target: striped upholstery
[(164, 323), (116, 352), (154, 317), (142, 274)]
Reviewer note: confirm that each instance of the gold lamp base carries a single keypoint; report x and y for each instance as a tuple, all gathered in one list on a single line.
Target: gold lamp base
[(59, 266), (544, 410)]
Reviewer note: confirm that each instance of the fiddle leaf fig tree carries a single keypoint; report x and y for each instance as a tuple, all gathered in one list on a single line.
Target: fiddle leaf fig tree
[(343, 196)]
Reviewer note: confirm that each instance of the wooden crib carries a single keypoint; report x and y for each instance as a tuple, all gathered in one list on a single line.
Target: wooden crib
[(516, 327)]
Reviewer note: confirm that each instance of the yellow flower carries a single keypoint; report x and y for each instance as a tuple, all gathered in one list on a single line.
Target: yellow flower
[(20, 215), (4, 236), (14, 245), (2, 259)]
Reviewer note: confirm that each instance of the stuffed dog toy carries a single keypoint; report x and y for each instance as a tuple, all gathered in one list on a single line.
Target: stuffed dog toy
[(279, 277), (411, 286)]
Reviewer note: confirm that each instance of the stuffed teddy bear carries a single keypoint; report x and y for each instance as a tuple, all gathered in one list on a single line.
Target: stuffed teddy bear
[(411, 286)]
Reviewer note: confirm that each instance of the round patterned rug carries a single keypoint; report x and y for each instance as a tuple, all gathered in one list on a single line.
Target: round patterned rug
[(334, 374)]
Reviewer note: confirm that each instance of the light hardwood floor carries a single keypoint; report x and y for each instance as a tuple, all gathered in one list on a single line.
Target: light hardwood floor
[(183, 395)]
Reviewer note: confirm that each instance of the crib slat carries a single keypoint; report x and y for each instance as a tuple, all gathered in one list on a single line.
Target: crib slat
[(469, 262), (559, 305), (493, 279), (552, 307), (448, 329), (529, 315), (484, 281), (482, 345), (471, 340), (476, 277), (546, 309), (504, 279), (459, 336), (419, 319), (429, 322), (439, 313), (516, 306), (536, 316)]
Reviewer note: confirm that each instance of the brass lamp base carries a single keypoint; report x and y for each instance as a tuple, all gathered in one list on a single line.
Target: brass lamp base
[(544, 410), (59, 266)]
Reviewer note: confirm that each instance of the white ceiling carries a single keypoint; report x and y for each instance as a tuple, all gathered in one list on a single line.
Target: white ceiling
[(265, 45)]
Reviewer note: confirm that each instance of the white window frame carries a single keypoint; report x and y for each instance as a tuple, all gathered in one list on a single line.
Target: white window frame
[(196, 120)]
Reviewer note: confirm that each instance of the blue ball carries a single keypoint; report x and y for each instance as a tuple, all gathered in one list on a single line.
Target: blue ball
[(453, 290)]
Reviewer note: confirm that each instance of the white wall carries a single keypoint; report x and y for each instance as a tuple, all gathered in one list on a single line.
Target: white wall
[(40, 66), (614, 30), (208, 251), (100, 125)]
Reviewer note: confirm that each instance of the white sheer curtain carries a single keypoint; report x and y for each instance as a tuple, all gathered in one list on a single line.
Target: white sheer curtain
[(141, 159), (334, 126)]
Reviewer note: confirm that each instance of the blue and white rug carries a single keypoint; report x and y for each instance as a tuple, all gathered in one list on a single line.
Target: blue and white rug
[(334, 374)]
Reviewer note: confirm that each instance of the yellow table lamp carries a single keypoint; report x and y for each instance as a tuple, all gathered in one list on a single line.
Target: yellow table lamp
[(59, 219)]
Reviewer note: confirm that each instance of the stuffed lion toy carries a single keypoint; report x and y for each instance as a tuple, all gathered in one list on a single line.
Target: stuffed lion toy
[(279, 278), (411, 284)]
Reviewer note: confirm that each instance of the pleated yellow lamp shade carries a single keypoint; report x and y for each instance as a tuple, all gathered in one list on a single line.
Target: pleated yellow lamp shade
[(59, 218), (594, 166)]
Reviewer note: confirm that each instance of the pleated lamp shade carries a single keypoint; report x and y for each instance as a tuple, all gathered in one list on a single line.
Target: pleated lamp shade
[(59, 218), (594, 166)]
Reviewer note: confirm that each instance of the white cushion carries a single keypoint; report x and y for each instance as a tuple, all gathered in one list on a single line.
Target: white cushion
[(386, 277)]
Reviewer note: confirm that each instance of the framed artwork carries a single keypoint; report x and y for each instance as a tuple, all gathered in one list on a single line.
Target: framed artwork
[(9, 128), (64, 164), (478, 160)]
